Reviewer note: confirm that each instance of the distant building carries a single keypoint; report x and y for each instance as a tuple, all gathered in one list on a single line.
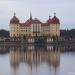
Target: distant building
[(34, 27)]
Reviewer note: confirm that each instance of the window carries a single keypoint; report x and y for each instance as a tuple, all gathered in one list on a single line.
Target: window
[(26, 30), (14, 34), (21, 30), (29, 34)]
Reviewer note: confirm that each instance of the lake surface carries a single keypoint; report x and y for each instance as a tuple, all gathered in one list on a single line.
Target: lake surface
[(39, 60)]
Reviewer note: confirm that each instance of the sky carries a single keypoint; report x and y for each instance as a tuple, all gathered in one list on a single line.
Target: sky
[(41, 9)]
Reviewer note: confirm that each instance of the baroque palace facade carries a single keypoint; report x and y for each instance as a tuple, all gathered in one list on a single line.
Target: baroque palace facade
[(34, 27)]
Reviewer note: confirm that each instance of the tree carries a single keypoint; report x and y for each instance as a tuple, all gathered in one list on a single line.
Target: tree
[(4, 33)]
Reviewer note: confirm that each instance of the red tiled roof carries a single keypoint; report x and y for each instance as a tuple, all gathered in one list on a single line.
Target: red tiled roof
[(14, 20), (28, 22), (36, 21), (55, 20), (23, 24), (33, 21), (45, 24), (49, 20)]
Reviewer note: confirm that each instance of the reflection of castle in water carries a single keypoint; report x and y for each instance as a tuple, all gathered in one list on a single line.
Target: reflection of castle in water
[(34, 56)]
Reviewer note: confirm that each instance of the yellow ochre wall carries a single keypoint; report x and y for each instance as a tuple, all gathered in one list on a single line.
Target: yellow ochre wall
[(16, 30)]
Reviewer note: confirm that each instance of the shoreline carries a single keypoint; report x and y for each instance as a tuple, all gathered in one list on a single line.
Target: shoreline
[(58, 43)]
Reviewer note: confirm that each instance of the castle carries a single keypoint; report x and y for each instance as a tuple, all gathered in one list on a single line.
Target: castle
[(34, 27)]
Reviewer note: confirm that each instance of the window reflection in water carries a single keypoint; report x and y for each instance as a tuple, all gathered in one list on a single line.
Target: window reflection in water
[(34, 56), (37, 60)]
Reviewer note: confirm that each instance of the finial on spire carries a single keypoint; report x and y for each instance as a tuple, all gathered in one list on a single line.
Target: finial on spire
[(54, 14), (30, 16), (49, 17), (14, 14)]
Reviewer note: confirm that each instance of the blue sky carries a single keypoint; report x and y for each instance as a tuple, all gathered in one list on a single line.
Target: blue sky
[(65, 11)]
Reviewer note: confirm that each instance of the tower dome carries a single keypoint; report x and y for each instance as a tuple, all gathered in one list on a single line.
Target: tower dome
[(49, 20), (55, 20), (14, 20)]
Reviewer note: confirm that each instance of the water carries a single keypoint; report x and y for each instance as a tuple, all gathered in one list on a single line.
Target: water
[(30, 60)]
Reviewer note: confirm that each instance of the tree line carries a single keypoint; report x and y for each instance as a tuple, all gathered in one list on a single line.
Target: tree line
[(68, 33), (4, 33)]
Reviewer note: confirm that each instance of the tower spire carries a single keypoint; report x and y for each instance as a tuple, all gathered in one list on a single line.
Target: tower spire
[(30, 16), (54, 14), (49, 16), (14, 14)]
